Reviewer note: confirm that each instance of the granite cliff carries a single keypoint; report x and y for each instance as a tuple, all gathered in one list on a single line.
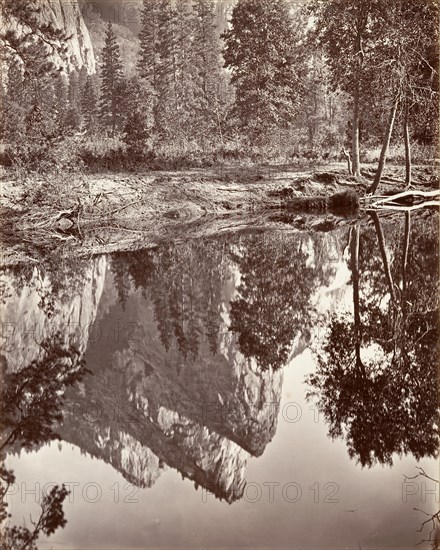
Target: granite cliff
[(68, 17)]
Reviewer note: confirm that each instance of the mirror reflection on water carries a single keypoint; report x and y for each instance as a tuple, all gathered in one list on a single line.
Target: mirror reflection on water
[(258, 384)]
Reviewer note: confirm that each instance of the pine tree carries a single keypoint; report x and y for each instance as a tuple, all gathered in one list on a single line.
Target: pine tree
[(139, 122), (180, 58), (42, 130), (207, 48), (187, 98), (111, 75), (167, 61), (165, 114), (142, 95), (149, 37), (82, 78), (89, 105), (259, 49), (61, 99), (32, 127), (35, 99), (208, 60)]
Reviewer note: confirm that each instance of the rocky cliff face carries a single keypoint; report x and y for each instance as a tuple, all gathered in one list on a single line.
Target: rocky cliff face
[(149, 404), (147, 407), (94, 17), (68, 17)]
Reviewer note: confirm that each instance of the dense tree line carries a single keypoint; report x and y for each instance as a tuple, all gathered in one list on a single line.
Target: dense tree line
[(382, 55), (294, 80), (177, 99)]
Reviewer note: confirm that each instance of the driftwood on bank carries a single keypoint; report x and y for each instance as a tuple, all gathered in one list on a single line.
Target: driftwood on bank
[(406, 200)]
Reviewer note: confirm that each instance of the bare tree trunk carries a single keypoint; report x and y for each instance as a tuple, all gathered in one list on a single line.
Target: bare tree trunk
[(383, 252), (356, 301), (407, 147), (356, 170), (385, 146)]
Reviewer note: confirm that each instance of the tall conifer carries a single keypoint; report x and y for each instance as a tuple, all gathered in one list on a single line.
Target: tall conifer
[(111, 81)]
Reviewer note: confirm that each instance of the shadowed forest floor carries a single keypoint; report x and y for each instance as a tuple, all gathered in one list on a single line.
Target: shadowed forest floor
[(100, 213)]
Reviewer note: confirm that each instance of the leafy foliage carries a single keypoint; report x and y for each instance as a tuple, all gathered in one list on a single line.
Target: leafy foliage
[(271, 311), (51, 518), (31, 400), (32, 397)]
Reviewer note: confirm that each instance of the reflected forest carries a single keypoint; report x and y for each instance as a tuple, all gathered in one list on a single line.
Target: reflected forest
[(377, 376)]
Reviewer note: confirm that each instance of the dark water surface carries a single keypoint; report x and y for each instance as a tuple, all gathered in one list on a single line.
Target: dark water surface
[(262, 390)]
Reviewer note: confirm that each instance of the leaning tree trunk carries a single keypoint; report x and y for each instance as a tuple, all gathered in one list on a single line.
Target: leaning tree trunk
[(385, 146), (407, 147), (394, 310), (356, 170), (400, 335)]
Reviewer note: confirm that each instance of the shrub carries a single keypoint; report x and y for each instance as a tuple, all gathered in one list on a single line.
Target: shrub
[(346, 200), (102, 152)]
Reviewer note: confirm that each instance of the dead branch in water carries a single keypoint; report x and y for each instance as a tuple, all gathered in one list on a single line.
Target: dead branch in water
[(399, 208), (432, 519)]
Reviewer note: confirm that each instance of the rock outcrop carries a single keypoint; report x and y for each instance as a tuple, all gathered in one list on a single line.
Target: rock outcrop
[(68, 16)]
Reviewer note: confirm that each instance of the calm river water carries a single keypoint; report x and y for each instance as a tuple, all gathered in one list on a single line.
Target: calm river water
[(267, 390)]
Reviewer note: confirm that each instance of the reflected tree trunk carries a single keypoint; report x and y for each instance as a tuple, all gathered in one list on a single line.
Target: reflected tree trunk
[(405, 251), (404, 303), (356, 302), (407, 147), (383, 253), (385, 145)]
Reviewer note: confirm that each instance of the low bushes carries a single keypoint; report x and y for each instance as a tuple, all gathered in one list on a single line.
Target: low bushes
[(420, 154), (76, 152)]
